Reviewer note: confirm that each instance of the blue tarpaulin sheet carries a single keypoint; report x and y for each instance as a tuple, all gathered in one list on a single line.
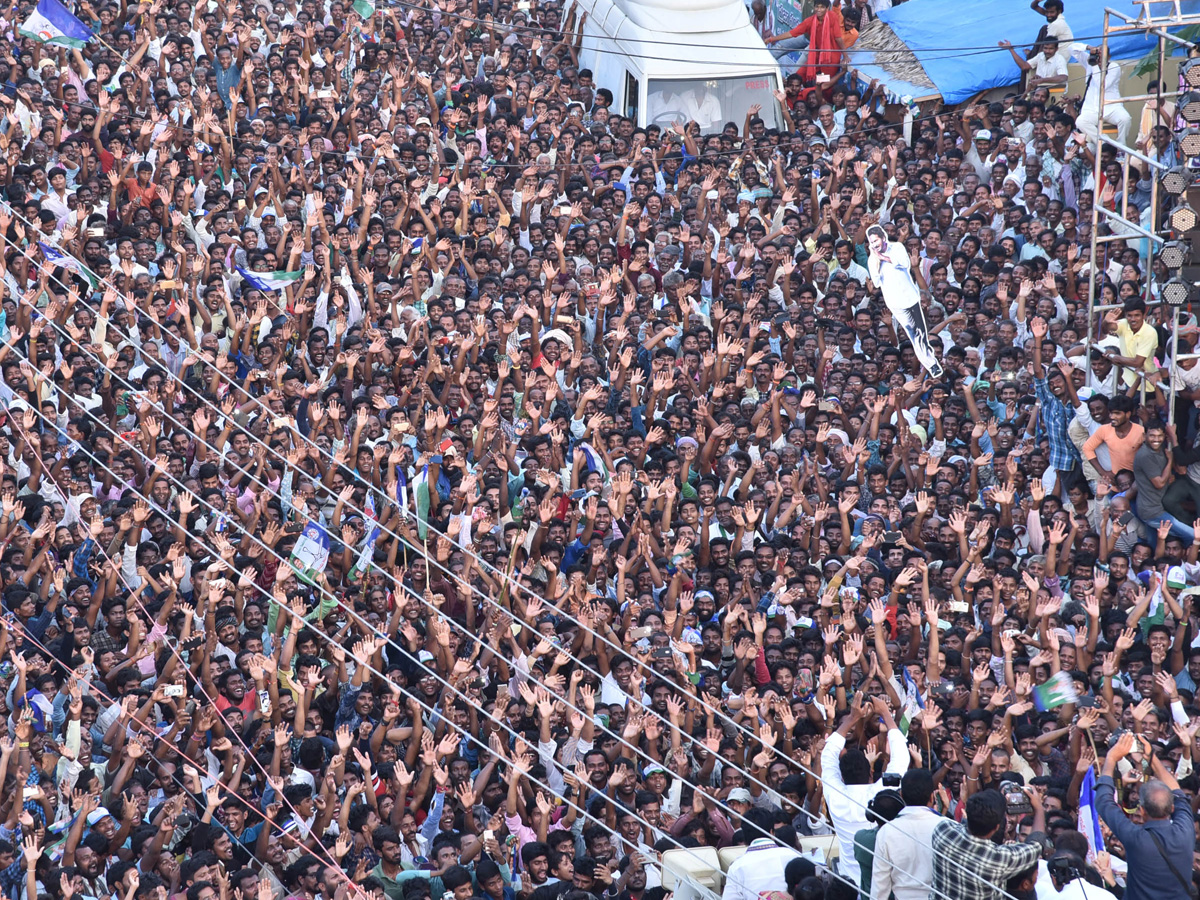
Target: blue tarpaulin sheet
[(942, 34)]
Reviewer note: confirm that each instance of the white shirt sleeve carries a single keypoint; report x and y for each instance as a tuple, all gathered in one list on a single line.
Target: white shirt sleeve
[(831, 771), (897, 747)]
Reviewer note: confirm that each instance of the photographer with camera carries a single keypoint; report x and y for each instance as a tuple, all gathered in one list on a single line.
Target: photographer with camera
[(1069, 874), (1166, 835), (978, 847)]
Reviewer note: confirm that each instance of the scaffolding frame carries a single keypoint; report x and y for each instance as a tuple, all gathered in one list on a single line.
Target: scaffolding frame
[(1154, 20)]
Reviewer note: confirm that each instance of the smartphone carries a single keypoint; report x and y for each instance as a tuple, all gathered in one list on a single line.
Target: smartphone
[(637, 634), (662, 653), (958, 606), (1125, 519), (891, 537), (804, 682), (174, 690)]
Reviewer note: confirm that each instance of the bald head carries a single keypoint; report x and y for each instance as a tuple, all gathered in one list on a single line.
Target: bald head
[(1156, 799)]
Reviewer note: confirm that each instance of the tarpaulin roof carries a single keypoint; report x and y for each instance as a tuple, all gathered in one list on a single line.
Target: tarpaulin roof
[(942, 33)]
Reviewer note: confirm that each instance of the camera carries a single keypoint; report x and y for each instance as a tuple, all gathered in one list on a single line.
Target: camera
[(1064, 869), (1016, 801)]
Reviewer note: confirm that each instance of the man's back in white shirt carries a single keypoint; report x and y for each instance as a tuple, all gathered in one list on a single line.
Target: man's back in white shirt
[(904, 856), (847, 803), (760, 869)]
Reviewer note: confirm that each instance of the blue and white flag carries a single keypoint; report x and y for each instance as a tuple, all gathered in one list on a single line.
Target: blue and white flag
[(52, 23), (310, 556), (402, 490), (270, 281), (913, 704), (1089, 817), (365, 555), (62, 260), (594, 461)]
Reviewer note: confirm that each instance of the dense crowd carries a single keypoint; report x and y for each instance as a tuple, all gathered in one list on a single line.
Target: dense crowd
[(418, 480)]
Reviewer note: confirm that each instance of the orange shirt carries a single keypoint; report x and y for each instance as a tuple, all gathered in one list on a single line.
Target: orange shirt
[(142, 196), (1120, 449)]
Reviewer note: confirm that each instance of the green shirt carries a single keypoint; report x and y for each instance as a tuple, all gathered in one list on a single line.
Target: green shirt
[(394, 887), (864, 855)]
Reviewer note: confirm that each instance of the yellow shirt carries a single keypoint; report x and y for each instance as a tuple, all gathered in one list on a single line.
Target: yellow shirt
[(1143, 343)]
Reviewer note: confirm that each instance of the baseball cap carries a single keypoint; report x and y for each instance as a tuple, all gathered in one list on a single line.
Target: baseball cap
[(983, 135), (1176, 578), (740, 795), (97, 814)]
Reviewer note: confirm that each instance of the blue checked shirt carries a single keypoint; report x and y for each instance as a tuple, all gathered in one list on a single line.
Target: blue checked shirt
[(1057, 416)]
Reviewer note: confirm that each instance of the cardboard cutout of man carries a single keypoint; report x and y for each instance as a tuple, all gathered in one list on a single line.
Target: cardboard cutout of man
[(890, 268)]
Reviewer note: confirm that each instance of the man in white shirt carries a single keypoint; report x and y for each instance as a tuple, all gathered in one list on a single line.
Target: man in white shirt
[(703, 108), (1114, 110), (1046, 67), (1056, 26), (847, 780), (758, 870), (903, 863)]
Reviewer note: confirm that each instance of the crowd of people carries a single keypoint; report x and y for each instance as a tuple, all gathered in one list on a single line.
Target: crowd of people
[(420, 481)]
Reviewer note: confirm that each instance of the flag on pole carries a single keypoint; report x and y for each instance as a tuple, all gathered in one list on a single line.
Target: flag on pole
[(52, 23), (1089, 817), (365, 8), (913, 704), (365, 555), (402, 490), (1057, 690), (62, 260), (270, 281), (310, 556), (421, 493)]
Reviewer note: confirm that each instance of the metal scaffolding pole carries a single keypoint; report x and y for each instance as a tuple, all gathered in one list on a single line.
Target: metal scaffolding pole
[(1154, 20)]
